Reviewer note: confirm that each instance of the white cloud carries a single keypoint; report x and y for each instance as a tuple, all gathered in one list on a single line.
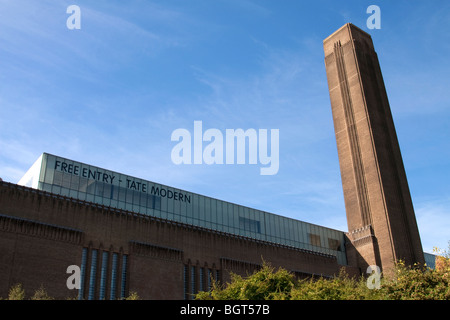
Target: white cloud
[(433, 219)]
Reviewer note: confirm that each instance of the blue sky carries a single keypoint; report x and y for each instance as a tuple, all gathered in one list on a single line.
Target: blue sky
[(111, 93)]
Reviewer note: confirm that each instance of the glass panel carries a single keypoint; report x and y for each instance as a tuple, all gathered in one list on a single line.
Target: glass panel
[(136, 197), (103, 275), (93, 274), (176, 201), (64, 192), (221, 212), (124, 276), (157, 203), (185, 283), (193, 280), (201, 207), (129, 196), (163, 195), (49, 173), (75, 183), (57, 178), (143, 200), (82, 273), (99, 189), (170, 202), (200, 279), (189, 209), (112, 295), (207, 209), (214, 212), (91, 187)]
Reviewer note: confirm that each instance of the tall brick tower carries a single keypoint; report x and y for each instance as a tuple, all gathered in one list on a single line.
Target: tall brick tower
[(382, 226)]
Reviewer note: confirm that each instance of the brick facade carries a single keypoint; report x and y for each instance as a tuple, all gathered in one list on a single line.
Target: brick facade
[(41, 234)]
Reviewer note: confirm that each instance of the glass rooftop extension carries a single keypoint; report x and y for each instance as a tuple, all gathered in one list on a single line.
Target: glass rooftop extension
[(93, 184)]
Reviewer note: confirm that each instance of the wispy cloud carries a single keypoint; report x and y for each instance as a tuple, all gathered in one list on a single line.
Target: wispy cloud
[(434, 224), (111, 93)]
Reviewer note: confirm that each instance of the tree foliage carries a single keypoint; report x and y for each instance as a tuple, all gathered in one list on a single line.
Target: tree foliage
[(17, 292), (408, 283), (266, 284)]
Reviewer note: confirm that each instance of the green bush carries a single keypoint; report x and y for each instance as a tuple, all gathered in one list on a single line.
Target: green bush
[(16, 292), (262, 285), (407, 283)]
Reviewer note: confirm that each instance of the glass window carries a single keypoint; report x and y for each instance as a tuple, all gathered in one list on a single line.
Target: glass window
[(334, 244), (89, 197), (122, 194), (296, 231), (150, 203), (163, 193), (200, 279), (207, 209), (169, 197), (107, 191), (103, 275), (114, 192), (201, 207), (73, 194), (128, 206), (189, 209), (47, 187), (57, 178), (229, 221), (143, 200), (49, 173), (185, 283), (99, 189), (314, 239), (112, 295), (276, 227), (93, 274), (249, 225), (64, 192), (213, 211), (157, 203), (235, 221), (83, 185), (75, 183), (123, 281), (136, 197), (193, 278), (128, 196), (121, 205), (183, 207), (82, 273), (221, 211), (289, 232), (176, 201), (66, 180), (304, 235), (91, 187)]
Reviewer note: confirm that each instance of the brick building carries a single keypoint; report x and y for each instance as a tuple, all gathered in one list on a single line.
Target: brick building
[(128, 234)]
